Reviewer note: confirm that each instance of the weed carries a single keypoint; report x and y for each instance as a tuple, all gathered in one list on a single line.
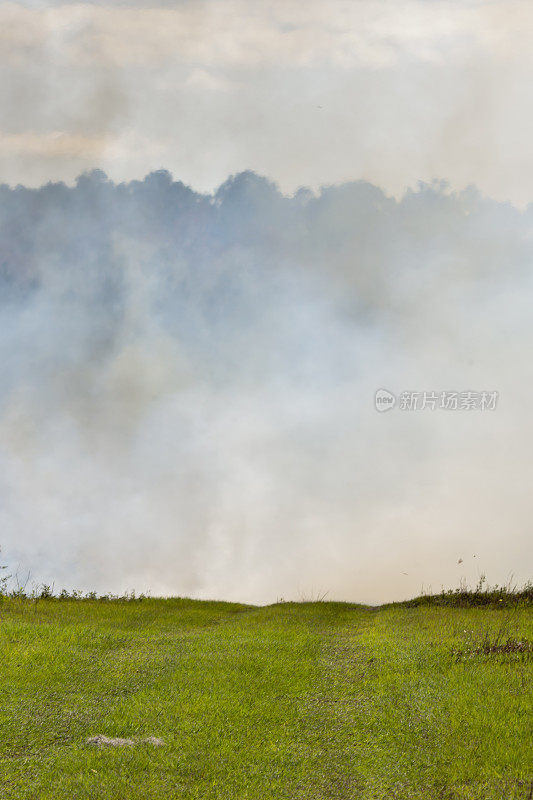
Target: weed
[(519, 649), (3, 580), (482, 595)]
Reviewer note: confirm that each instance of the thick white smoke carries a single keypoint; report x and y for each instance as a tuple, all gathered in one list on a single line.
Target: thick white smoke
[(188, 382)]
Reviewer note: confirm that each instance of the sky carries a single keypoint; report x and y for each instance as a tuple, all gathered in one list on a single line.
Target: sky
[(224, 226), (310, 94)]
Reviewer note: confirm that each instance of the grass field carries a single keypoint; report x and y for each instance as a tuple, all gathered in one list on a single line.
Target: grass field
[(309, 700)]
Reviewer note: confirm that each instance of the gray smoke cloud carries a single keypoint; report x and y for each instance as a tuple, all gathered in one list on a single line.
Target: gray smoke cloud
[(187, 395)]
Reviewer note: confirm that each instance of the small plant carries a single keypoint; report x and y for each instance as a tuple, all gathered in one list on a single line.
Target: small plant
[(481, 595), (19, 593), (517, 649), (3, 580), (500, 643)]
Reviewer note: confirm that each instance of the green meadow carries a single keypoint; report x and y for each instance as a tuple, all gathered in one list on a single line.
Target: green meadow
[(296, 700)]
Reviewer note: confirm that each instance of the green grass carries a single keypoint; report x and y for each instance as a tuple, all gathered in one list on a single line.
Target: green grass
[(310, 700)]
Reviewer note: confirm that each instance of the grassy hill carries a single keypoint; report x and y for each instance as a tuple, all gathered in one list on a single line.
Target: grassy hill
[(310, 700)]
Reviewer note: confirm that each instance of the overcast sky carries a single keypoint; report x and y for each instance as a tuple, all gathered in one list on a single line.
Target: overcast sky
[(307, 93)]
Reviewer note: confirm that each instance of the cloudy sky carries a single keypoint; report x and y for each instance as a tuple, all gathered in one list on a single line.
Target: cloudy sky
[(311, 93)]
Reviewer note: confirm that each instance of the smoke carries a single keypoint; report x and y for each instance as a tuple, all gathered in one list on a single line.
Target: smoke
[(187, 394)]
